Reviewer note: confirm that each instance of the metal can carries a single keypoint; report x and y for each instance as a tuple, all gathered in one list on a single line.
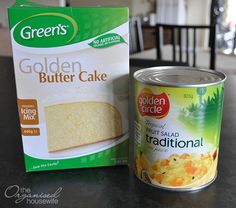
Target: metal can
[(178, 113)]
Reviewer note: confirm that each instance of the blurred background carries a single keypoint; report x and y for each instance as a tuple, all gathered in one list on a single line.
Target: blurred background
[(147, 13)]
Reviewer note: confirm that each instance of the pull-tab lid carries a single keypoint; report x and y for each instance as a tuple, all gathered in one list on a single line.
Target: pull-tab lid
[(179, 76)]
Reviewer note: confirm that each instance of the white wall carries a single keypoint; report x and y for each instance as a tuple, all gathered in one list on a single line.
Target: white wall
[(136, 7), (198, 13), (102, 3), (141, 7)]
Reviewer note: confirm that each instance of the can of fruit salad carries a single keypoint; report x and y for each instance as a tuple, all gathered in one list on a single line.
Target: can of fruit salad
[(178, 113)]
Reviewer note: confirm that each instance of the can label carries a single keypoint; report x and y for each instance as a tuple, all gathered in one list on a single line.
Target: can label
[(177, 132)]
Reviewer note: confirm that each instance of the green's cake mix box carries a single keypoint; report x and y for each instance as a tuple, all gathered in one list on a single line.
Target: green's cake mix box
[(71, 71)]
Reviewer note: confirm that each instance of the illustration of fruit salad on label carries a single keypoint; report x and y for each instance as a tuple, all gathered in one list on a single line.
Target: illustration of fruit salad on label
[(177, 134)]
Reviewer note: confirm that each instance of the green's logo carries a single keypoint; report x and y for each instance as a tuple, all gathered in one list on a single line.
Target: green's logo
[(46, 30)]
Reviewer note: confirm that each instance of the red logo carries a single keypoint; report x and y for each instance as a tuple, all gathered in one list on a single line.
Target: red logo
[(150, 104)]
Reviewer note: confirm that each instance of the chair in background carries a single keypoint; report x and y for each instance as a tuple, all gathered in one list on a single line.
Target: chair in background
[(136, 35), (177, 39), (144, 63)]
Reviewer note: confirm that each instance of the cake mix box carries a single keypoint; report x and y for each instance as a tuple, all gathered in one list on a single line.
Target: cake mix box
[(71, 70)]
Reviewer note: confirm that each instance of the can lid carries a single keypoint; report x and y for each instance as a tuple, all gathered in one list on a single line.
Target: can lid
[(179, 76)]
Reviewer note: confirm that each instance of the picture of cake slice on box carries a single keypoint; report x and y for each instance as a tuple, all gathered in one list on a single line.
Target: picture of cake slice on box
[(71, 125)]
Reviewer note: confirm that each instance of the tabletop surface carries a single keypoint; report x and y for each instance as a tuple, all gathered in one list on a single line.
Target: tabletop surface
[(110, 186)]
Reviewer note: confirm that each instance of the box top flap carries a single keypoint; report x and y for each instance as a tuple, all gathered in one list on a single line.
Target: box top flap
[(25, 3)]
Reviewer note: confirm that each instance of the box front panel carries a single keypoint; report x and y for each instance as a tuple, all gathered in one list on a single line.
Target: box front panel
[(71, 69)]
